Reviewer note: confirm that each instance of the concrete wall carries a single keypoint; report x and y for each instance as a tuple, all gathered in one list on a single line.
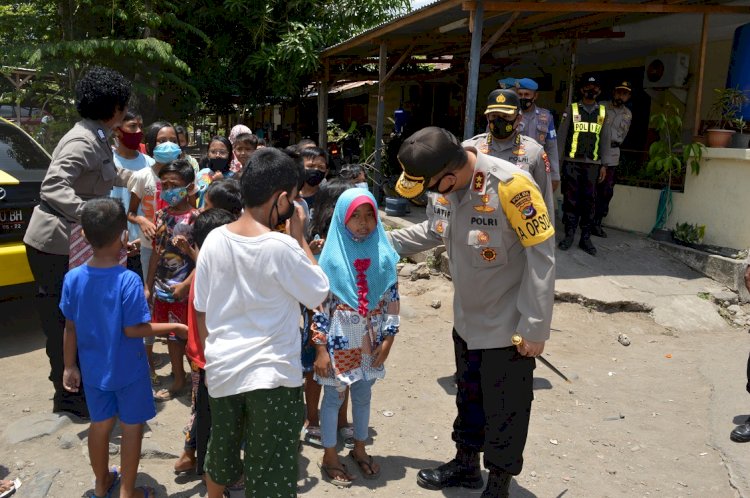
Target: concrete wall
[(717, 198)]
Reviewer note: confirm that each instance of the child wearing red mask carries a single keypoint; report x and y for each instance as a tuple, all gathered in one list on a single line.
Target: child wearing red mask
[(127, 155)]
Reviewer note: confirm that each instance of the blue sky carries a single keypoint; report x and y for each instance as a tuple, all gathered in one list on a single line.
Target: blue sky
[(415, 4)]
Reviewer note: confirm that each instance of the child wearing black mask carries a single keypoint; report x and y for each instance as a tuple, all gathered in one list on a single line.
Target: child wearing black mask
[(218, 159), (316, 167)]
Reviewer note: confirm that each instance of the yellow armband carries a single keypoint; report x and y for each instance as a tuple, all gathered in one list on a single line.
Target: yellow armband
[(525, 209)]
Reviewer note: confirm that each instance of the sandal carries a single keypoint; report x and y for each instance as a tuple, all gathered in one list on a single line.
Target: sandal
[(116, 471), (312, 436), (8, 487), (336, 479), (346, 432), (167, 395), (365, 466)]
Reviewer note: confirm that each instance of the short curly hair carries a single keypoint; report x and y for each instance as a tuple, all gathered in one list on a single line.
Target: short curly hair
[(101, 93)]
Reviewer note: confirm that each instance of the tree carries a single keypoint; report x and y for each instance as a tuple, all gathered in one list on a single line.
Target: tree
[(60, 39), (181, 56), (264, 51)]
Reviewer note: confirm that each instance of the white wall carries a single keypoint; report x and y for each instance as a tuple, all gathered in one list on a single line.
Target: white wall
[(718, 197)]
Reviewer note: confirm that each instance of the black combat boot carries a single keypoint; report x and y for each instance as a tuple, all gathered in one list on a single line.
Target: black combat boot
[(498, 485), (462, 471), (596, 228), (570, 235), (585, 242)]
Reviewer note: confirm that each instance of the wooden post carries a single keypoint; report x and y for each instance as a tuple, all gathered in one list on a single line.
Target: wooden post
[(473, 74), (572, 73), (382, 63), (323, 114), (701, 68)]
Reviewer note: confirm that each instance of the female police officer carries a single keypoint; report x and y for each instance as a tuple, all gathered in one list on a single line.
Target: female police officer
[(82, 168)]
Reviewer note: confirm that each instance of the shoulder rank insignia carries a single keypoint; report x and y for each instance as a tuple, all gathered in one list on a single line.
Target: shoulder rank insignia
[(100, 133), (477, 183)]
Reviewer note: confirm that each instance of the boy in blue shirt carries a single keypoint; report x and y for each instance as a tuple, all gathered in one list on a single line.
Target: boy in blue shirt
[(106, 319)]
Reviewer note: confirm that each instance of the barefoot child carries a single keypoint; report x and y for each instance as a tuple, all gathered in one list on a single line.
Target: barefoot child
[(106, 320), (354, 331), (171, 268), (249, 283)]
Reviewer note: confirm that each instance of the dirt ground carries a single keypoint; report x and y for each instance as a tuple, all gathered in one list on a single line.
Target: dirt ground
[(632, 423)]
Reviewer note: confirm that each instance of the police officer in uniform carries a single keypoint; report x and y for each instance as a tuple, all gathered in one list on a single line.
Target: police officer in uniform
[(506, 142), (538, 124), (493, 221), (82, 168), (585, 142), (618, 120)]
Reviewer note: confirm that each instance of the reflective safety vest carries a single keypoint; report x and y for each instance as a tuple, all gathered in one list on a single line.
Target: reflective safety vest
[(591, 130)]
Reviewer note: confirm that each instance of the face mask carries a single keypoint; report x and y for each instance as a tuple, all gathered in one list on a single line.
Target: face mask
[(618, 102), (218, 163), (361, 185), (131, 140), (501, 128), (282, 217), (166, 152), (525, 103), (591, 94), (436, 187), (174, 196), (313, 177)]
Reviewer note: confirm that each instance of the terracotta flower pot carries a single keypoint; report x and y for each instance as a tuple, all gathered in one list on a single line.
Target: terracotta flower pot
[(719, 138)]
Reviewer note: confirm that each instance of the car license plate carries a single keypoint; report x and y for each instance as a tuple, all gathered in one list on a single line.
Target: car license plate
[(12, 220)]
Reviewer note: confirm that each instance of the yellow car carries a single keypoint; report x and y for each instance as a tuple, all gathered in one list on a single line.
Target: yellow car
[(23, 164)]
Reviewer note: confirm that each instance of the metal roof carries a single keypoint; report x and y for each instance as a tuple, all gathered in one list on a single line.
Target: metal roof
[(442, 27)]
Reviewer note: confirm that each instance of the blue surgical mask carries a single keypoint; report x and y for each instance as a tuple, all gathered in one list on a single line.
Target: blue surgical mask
[(361, 185), (174, 196), (166, 152)]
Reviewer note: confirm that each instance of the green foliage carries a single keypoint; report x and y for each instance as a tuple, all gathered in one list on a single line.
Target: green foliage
[(668, 156), (728, 103), (183, 57), (689, 233)]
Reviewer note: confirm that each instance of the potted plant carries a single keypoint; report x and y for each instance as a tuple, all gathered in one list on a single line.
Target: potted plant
[(669, 157), (727, 105), (740, 140)]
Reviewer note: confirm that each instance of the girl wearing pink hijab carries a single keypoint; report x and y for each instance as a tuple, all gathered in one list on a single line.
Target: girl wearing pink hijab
[(239, 129)]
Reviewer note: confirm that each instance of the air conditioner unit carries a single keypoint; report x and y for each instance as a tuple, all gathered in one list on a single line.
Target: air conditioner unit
[(666, 71)]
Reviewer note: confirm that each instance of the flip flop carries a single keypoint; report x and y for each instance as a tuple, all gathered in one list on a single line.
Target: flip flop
[(167, 395), (14, 485), (116, 471), (163, 395), (336, 481), (362, 463), (147, 491)]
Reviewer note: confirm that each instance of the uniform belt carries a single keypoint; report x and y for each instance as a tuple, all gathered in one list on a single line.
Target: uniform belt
[(45, 207)]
